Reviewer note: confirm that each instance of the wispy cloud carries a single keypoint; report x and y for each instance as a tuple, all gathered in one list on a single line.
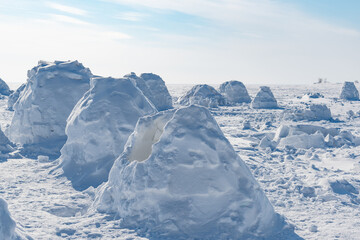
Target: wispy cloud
[(67, 9), (131, 16), (67, 19)]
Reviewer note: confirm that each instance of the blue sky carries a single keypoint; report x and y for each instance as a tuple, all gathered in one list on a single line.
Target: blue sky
[(186, 41)]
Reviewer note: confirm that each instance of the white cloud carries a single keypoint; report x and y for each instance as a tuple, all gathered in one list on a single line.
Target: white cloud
[(67, 19), (131, 16), (67, 9)]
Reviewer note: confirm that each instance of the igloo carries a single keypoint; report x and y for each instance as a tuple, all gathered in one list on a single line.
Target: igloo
[(15, 96), (349, 92), (264, 99), (180, 178), (40, 113), (154, 88), (234, 92), (8, 229), (98, 127), (4, 88), (203, 95)]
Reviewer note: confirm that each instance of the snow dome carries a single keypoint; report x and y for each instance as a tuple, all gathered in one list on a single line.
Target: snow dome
[(15, 96), (4, 88), (264, 99), (349, 92), (234, 92), (98, 127), (40, 113), (203, 95), (180, 178)]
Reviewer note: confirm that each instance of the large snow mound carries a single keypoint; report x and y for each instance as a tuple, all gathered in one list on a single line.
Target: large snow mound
[(154, 88), (4, 88), (98, 128), (203, 95), (40, 113), (349, 92), (15, 96), (234, 92), (264, 99), (180, 178)]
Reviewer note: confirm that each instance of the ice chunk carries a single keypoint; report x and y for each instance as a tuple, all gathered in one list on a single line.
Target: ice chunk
[(203, 95), (304, 140), (342, 186), (179, 178), (98, 127), (15, 96), (234, 92), (349, 92), (264, 99), (40, 113), (4, 88)]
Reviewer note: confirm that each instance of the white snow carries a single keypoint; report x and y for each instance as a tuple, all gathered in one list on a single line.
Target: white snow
[(203, 95), (98, 128), (234, 92), (264, 99), (187, 183), (40, 113), (349, 92)]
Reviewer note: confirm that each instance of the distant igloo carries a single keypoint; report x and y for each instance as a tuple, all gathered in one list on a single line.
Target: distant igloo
[(4, 88), (234, 92), (8, 229), (203, 95), (40, 113), (98, 127), (264, 99), (154, 88), (349, 92), (15, 96), (180, 178)]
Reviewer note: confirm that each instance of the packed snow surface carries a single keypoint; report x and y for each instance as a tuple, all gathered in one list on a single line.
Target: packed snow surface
[(40, 113), (349, 92), (4, 88), (179, 178), (234, 92), (203, 95), (98, 128), (264, 99)]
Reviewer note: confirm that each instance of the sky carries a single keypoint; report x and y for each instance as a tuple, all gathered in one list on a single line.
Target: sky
[(186, 41)]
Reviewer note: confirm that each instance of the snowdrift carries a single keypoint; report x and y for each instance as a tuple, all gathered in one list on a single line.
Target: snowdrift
[(98, 127), (179, 178), (264, 99), (203, 95), (234, 92), (4, 88), (40, 113), (15, 96), (154, 88), (349, 92)]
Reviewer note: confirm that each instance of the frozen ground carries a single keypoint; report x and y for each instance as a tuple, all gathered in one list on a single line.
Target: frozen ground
[(296, 182)]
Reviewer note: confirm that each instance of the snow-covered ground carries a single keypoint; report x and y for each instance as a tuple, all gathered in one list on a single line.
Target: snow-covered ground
[(316, 189)]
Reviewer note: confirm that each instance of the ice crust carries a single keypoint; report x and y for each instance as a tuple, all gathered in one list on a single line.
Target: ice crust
[(264, 99), (98, 127), (349, 92), (40, 113), (234, 92), (4, 88), (180, 178), (203, 95)]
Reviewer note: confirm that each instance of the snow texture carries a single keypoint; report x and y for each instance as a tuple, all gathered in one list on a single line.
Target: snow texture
[(180, 178), (203, 95), (349, 92), (264, 99), (15, 96), (234, 92), (40, 113), (154, 88), (4, 88), (98, 127)]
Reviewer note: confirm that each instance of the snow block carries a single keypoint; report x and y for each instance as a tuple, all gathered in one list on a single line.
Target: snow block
[(234, 92), (15, 96), (264, 99), (4, 88), (98, 128), (180, 178), (203, 95), (349, 92), (316, 112), (40, 113)]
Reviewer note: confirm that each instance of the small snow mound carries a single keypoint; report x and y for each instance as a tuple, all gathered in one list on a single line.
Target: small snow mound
[(15, 96), (234, 92), (349, 92), (203, 95), (179, 178), (4, 88), (98, 127), (40, 113), (315, 112), (264, 99)]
